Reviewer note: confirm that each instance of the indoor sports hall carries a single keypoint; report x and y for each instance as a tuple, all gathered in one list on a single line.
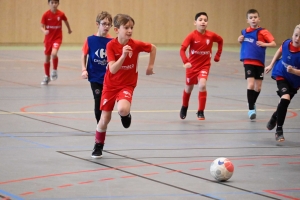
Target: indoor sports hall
[(47, 132)]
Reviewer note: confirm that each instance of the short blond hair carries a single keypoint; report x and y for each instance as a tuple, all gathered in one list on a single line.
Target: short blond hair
[(104, 15)]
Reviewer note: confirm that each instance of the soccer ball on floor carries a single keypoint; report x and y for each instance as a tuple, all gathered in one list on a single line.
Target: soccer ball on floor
[(221, 169)]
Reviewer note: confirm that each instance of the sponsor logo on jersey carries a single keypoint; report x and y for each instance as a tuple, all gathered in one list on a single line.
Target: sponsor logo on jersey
[(101, 54), (251, 40), (128, 67), (53, 27), (202, 53)]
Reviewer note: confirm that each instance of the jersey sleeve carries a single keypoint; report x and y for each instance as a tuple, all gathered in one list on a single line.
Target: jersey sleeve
[(265, 35), (43, 20), (110, 52), (85, 47), (144, 46), (64, 17), (185, 44)]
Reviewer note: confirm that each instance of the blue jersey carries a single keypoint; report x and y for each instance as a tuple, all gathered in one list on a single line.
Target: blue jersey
[(287, 58), (97, 61), (249, 49)]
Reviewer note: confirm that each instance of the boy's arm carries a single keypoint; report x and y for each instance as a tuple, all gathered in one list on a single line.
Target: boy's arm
[(149, 70), (264, 44), (292, 70), (84, 73), (114, 66), (44, 30), (275, 58), (220, 48), (68, 26)]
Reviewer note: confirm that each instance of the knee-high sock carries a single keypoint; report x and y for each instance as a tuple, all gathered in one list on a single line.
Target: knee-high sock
[(55, 63), (47, 68), (281, 111), (202, 100), (256, 94), (250, 97), (100, 137), (185, 98)]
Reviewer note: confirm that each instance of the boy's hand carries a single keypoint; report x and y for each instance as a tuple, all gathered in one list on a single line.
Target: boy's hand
[(241, 38), (217, 58), (289, 69), (127, 50), (268, 69), (149, 71), (260, 43), (69, 31), (46, 32), (187, 65), (84, 74)]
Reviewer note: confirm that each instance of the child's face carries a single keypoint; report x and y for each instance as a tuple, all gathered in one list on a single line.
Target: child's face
[(53, 5), (253, 20), (104, 26), (296, 37), (125, 31), (201, 23)]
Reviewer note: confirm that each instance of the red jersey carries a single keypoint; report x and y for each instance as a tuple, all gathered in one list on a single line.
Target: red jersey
[(128, 73), (85, 47), (264, 36), (53, 23), (200, 49)]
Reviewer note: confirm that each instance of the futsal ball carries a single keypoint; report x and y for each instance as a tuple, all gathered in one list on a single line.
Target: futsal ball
[(221, 169)]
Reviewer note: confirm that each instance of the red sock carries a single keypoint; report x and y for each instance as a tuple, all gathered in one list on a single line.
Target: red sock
[(47, 68), (185, 99), (55, 63), (100, 137), (202, 100)]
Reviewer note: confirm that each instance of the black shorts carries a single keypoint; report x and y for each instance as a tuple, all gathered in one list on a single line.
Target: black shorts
[(253, 71), (97, 90), (285, 88)]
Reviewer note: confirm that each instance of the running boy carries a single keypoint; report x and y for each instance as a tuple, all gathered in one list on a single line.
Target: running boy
[(254, 41), (95, 67), (52, 28), (121, 76), (286, 72), (197, 65)]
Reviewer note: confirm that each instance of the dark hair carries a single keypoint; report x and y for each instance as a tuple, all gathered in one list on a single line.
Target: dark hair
[(54, 0), (102, 16), (122, 19), (199, 14), (252, 11)]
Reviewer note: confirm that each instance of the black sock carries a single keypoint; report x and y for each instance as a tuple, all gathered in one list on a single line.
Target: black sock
[(281, 112), (256, 94), (250, 96)]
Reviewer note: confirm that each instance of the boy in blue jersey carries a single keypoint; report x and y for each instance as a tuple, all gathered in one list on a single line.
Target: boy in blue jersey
[(286, 72), (94, 67), (254, 41)]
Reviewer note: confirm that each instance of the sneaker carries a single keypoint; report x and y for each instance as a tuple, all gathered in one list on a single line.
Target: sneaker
[(279, 136), (45, 81), (126, 120), (200, 115), (271, 124), (97, 152), (183, 112), (251, 114), (54, 75)]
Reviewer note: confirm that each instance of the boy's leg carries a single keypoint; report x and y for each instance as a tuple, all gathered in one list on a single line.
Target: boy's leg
[(124, 99), (250, 77), (97, 92), (185, 100), (46, 79), (202, 96), (55, 49), (101, 134)]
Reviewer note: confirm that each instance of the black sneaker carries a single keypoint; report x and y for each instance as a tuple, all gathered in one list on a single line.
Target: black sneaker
[(97, 152), (126, 120), (271, 124), (200, 115), (183, 112), (279, 136)]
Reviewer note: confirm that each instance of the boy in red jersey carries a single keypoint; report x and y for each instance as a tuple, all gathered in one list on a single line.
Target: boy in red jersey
[(121, 76), (197, 65), (93, 59), (254, 41), (52, 28)]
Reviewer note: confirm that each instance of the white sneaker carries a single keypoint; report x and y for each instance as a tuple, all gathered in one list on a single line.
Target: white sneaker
[(45, 81), (54, 75)]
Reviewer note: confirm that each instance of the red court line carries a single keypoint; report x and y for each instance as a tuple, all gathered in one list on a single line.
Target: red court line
[(45, 189), (137, 166), (106, 179), (150, 174), (26, 193), (283, 195), (67, 185), (271, 164), (86, 182), (245, 166)]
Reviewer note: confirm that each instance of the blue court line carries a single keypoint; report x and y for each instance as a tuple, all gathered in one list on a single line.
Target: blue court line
[(7, 194), (24, 140)]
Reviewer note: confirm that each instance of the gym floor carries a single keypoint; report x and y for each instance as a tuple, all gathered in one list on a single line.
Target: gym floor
[(47, 134)]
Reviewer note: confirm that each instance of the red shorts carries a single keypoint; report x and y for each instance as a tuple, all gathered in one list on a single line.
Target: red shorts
[(109, 97), (51, 45), (192, 78)]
